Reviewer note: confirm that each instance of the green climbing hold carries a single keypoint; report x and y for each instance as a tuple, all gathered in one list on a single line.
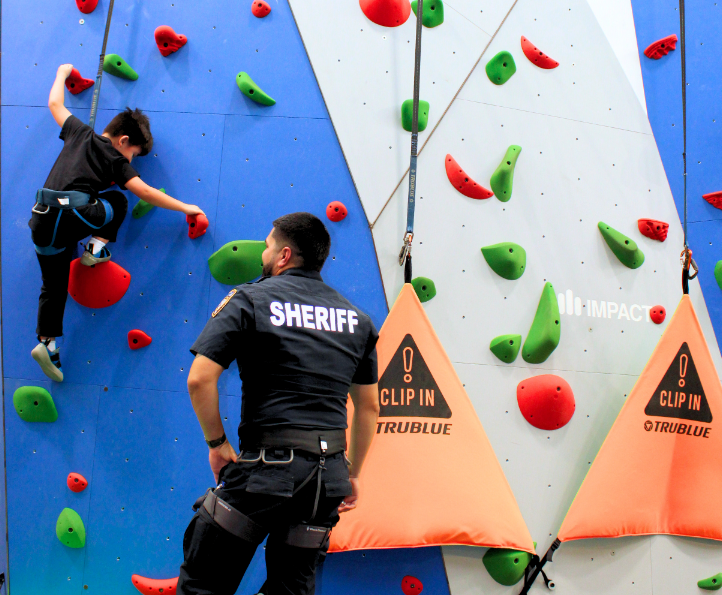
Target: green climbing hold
[(252, 90), (70, 529), (34, 403), (115, 65), (713, 583), (506, 259), (506, 566), (506, 347), (237, 262), (433, 12), (143, 208), (503, 178), (501, 68), (424, 288), (718, 273), (545, 331), (624, 248), (407, 114)]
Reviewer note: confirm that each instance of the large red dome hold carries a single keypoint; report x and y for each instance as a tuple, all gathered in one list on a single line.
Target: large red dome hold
[(387, 13)]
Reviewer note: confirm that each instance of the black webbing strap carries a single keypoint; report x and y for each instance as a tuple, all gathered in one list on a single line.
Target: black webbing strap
[(536, 567), (232, 520), (306, 536), (317, 442), (99, 76), (685, 265)]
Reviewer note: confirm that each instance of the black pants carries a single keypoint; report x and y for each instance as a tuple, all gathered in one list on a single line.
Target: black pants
[(73, 226), (215, 560)]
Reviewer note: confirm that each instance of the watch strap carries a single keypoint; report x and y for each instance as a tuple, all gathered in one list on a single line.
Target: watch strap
[(217, 442)]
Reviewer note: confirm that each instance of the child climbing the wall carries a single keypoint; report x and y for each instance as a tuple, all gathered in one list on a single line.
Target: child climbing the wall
[(70, 207)]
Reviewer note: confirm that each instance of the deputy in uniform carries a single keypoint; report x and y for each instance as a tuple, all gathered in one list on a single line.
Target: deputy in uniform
[(301, 348)]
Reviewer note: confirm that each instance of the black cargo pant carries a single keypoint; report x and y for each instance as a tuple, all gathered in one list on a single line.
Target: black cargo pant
[(64, 229), (215, 560)]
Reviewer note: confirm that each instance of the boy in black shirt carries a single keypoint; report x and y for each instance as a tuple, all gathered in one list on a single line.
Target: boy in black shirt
[(70, 207)]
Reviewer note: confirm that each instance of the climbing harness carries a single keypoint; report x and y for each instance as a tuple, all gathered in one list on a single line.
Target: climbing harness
[(99, 76), (405, 254)]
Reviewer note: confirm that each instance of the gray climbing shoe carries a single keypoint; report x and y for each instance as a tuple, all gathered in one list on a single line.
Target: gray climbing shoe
[(49, 361), (89, 259)]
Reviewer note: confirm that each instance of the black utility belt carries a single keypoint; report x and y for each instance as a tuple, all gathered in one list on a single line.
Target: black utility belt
[(317, 442)]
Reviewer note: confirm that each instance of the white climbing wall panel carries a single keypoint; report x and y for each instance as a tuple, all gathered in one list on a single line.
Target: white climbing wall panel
[(588, 155)]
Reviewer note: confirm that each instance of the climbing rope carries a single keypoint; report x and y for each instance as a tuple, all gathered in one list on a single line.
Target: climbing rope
[(405, 254), (99, 76)]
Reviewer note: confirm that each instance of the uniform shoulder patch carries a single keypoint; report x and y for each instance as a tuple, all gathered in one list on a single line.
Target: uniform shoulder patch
[(223, 303)]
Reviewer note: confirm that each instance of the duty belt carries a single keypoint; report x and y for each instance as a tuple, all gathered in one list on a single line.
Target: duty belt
[(317, 442)]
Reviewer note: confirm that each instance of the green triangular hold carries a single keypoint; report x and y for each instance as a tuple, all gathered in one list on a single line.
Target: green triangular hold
[(252, 90), (433, 12), (624, 248), (115, 65), (546, 329), (505, 566), (506, 347), (407, 114), (503, 178), (718, 273), (507, 259), (713, 583), (34, 403), (424, 288), (143, 208), (237, 262), (70, 529), (501, 68)]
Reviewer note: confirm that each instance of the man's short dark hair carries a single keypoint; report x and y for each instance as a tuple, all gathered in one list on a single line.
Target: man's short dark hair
[(136, 126), (307, 236)]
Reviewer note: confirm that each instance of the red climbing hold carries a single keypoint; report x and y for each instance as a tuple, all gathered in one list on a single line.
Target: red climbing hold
[(168, 41), (260, 9), (714, 198), (387, 13), (86, 6), (75, 83), (463, 183), (336, 211), (197, 225), (661, 47), (97, 286), (410, 585), (76, 482), (536, 56), (658, 314), (653, 229), (546, 402), (138, 339), (151, 586)]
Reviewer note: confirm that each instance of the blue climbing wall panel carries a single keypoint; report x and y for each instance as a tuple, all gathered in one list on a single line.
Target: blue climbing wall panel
[(125, 420), (653, 20)]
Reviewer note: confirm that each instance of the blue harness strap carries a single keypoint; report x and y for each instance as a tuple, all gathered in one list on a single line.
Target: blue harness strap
[(69, 199), (108, 215), (50, 250)]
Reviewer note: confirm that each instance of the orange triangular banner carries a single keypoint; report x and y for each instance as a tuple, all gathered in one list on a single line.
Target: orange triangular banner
[(659, 470), (431, 476)]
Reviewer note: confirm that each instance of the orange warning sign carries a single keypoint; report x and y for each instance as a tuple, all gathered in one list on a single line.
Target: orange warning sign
[(431, 476), (659, 470)]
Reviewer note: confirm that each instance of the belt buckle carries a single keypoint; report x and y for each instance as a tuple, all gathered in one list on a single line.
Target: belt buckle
[(258, 458), (263, 458)]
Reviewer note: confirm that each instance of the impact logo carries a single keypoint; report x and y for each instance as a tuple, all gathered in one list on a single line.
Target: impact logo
[(408, 389), (680, 395)]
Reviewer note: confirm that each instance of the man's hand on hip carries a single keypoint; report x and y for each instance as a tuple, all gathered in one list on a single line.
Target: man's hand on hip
[(350, 502), (220, 457)]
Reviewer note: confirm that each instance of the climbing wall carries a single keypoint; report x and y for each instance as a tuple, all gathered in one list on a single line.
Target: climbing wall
[(588, 155), (124, 417)]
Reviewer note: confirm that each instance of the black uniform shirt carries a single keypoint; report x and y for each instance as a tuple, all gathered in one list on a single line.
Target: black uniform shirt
[(88, 162), (299, 345)]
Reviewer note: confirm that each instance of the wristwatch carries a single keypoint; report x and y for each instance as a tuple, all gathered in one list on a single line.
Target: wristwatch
[(217, 442)]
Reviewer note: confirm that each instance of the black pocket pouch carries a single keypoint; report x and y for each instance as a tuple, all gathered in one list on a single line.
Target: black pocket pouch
[(339, 488), (271, 484)]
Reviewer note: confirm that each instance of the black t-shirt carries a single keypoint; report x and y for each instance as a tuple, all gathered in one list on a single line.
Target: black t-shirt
[(299, 345), (88, 162)]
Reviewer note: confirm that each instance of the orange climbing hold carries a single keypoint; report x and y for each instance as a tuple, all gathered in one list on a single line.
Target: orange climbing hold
[(714, 198), (546, 401), (168, 41), (138, 339), (336, 211), (151, 586), (387, 13), (97, 286), (260, 9), (86, 6), (653, 229), (536, 56), (661, 47), (197, 225), (76, 482), (75, 83), (462, 182)]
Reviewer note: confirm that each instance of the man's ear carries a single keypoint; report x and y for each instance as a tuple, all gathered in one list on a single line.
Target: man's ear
[(123, 140), (287, 256)]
